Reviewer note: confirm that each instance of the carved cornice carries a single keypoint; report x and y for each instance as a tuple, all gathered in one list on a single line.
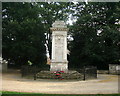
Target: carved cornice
[(63, 61), (59, 29), (64, 34)]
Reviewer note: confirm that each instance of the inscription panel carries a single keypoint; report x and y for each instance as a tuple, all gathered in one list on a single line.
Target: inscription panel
[(59, 47)]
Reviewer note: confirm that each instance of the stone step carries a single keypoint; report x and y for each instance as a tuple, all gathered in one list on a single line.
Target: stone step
[(49, 75)]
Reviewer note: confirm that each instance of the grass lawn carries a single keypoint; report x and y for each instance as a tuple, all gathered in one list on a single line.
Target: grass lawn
[(7, 93)]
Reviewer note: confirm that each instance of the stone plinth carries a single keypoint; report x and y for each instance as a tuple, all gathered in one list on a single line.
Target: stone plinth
[(59, 47)]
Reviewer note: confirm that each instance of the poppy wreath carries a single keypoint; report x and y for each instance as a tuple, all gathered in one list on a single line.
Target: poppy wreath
[(58, 74)]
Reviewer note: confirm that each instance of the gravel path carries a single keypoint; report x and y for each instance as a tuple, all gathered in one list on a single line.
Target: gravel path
[(105, 84)]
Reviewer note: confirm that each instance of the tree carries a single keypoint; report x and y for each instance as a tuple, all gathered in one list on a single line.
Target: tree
[(23, 34), (51, 11), (95, 35), (26, 30)]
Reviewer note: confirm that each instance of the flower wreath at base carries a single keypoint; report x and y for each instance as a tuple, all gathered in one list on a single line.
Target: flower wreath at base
[(58, 74)]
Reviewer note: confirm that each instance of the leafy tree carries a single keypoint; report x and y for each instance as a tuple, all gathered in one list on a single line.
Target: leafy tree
[(23, 34), (26, 30), (95, 35), (51, 11)]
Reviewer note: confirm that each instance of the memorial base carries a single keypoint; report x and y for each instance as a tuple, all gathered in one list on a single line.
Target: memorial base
[(59, 66)]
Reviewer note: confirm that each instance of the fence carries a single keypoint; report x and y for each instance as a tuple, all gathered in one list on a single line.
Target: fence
[(90, 72), (29, 70), (87, 72)]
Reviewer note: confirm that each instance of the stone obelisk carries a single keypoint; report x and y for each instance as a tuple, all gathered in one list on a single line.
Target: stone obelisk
[(59, 47)]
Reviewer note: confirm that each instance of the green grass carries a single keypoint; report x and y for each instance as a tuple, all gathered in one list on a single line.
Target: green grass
[(8, 93)]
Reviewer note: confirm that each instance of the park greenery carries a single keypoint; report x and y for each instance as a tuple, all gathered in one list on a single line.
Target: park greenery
[(94, 34), (9, 93)]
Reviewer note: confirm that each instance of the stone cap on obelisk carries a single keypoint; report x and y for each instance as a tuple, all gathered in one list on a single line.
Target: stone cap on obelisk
[(59, 25)]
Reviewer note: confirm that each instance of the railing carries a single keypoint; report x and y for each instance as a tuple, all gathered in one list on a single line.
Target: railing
[(29, 70), (87, 72), (90, 72)]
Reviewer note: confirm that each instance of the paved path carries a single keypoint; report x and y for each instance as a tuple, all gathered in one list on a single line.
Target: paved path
[(105, 84)]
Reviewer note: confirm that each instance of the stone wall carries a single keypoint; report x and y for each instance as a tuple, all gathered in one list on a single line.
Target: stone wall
[(114, 69)]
